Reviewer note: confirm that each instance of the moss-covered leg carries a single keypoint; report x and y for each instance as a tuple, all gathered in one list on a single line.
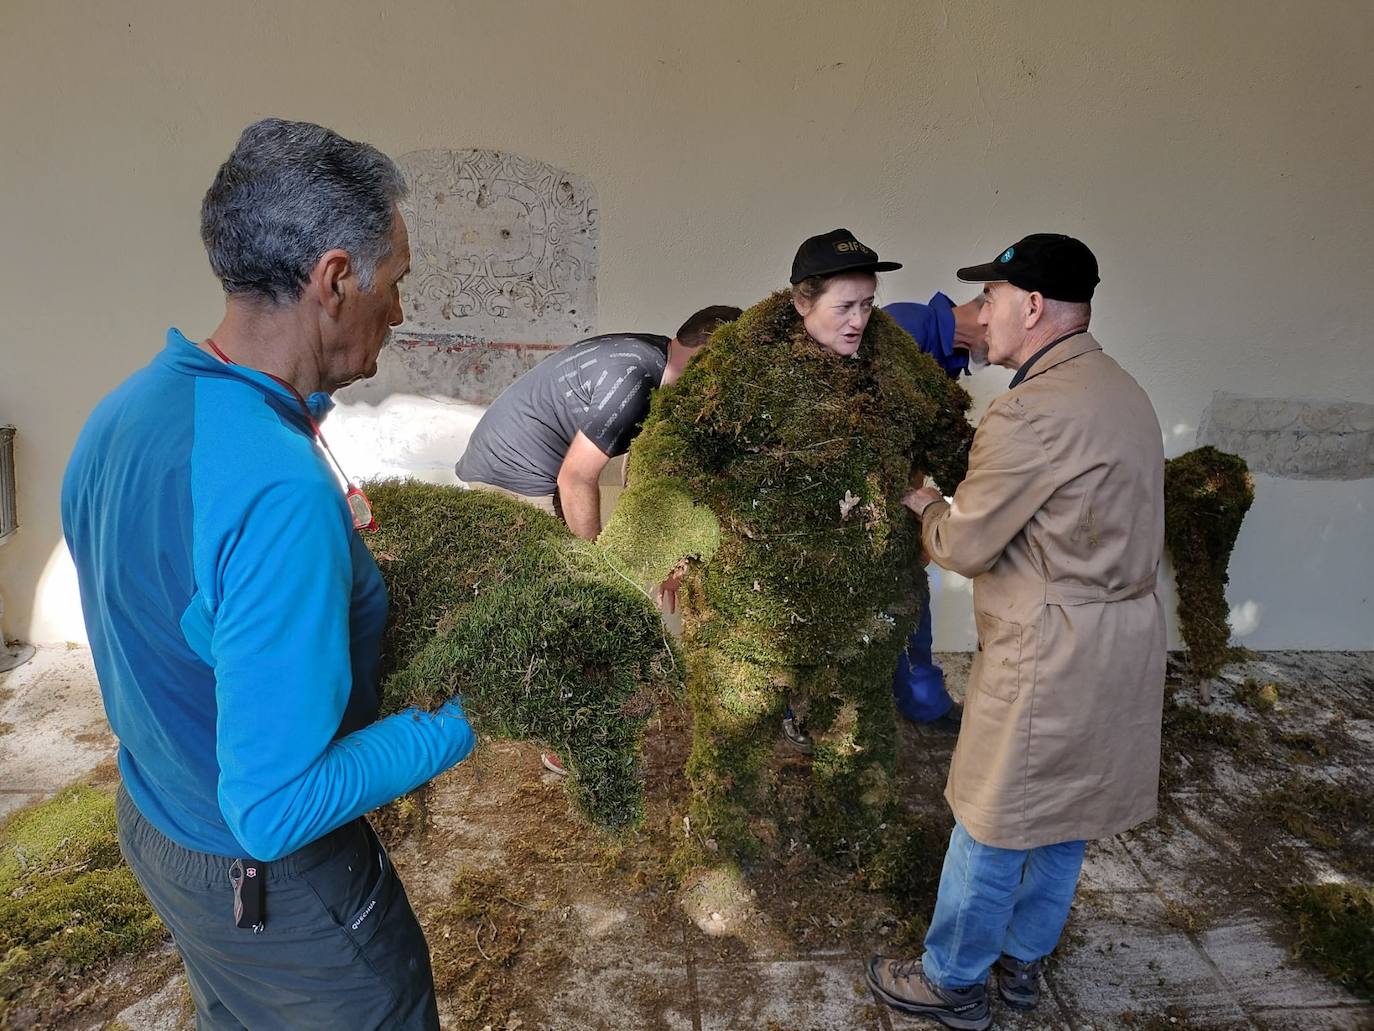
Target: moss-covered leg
[(737, 707), (875, 727), (853, 772)]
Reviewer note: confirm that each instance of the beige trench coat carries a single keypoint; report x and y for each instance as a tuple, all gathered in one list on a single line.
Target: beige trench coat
[(1060, 524)]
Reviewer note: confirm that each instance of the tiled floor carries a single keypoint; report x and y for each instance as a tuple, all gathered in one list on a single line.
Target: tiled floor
[(1126, 964)]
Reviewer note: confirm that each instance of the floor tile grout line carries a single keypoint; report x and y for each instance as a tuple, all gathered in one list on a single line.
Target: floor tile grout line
[(1069, 1015), (1222, 980), (692, 993)]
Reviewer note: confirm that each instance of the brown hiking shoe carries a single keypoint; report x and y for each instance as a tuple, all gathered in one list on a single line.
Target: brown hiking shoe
[(903, 985), (1018, 983)]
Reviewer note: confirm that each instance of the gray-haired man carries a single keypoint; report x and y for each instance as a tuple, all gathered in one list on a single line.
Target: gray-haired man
[(235, 614)]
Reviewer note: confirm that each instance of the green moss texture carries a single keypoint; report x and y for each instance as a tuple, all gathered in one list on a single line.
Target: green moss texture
[(776, 469), (67, 901), (541, 635), (1206, 495), (1336, 931)]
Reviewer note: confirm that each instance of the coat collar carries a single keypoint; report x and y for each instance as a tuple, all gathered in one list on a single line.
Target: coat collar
[(1078, 344)]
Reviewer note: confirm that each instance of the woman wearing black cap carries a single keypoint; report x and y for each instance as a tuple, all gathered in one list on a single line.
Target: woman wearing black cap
[(834, 280), (772, 474)]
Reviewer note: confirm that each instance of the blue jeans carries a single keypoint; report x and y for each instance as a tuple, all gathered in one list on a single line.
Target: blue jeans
[(996, 900)]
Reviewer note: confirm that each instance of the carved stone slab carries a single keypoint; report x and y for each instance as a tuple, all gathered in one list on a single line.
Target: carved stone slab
[(503, 271), (503, 267), (1293, 437)]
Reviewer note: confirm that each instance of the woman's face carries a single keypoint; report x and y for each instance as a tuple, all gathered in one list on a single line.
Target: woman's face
[(836, 319)]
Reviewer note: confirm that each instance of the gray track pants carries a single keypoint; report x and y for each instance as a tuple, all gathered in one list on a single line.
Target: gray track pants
[(341, 948)]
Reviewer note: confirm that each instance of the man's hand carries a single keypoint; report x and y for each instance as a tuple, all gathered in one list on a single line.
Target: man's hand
[(667, 591), (578, 492), (918, 499)]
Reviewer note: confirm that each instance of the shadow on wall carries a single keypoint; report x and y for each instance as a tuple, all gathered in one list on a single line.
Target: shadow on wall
[(53, 611), (36, 574)]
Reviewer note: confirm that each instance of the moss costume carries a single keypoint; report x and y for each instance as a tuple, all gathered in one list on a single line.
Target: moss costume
[(775, 470)]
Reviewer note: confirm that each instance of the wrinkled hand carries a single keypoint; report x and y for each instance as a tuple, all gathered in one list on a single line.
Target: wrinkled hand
[(667, 591), (918, 499)]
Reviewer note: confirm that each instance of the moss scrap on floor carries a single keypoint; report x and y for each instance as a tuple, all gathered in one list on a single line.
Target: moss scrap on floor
[(1336, 931), (1324, 812), (1290, 828), (67, 901)]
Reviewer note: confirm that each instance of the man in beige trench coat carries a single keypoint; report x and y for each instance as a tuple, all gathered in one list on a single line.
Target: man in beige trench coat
[(1060, 524)]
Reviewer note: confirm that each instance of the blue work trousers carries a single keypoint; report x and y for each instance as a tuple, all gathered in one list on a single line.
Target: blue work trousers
[(918, 686)]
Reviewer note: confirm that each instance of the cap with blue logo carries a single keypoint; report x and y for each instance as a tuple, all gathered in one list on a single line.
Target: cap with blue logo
[(1052, 264)]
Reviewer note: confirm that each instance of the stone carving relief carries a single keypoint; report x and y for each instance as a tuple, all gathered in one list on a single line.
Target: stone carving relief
[(498, 237), (1293, 437), (503, 272)]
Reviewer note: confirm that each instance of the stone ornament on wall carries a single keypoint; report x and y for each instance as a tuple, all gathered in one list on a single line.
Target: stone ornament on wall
[(503, 268), (1293, 437), (503, 271)]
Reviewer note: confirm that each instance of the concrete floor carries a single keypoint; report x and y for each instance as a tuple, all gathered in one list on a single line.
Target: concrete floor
[(1125, 963)]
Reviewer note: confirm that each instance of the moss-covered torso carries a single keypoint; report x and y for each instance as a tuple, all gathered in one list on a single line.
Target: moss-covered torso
[(802, 456)]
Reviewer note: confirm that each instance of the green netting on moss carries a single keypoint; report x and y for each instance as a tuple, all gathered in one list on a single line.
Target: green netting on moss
[(776, 469), (66, 897), (1206, 495), (542, 636)]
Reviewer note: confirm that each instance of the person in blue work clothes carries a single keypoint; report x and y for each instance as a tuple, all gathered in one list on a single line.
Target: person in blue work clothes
[(950, 334), (235, 614)]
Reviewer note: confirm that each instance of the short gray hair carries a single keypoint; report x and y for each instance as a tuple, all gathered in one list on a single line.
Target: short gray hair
[(1069, 313), (289, 192)]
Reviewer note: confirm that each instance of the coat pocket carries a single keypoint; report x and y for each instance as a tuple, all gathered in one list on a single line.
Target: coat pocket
[(999, 640)]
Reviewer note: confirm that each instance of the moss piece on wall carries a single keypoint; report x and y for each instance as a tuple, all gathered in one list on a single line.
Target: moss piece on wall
[(65, 893), (1206, 495), (1336, 931), (538, 631), (813, 583)]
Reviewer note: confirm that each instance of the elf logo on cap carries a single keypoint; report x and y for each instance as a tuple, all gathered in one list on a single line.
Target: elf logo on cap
[(852, 247), (1007, 255)]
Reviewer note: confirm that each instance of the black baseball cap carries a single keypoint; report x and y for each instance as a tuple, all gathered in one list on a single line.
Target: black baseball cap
[(1055, 265), (836, 251)]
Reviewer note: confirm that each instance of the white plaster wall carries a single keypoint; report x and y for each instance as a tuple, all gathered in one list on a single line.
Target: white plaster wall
[(1217, 156)]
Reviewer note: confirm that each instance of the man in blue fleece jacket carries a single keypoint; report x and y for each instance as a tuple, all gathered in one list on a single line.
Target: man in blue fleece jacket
[(948, 332), (235, 614)]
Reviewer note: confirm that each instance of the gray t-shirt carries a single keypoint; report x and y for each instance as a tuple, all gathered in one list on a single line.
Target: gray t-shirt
[(600, 386)]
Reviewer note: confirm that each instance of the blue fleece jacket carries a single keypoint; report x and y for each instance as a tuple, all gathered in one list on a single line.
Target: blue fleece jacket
[(235, 615), (933, 327)]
